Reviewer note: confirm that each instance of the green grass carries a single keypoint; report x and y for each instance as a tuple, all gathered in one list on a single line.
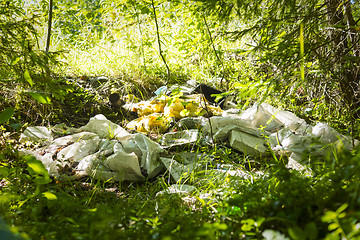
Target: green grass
[(273, 198), (222, 207)]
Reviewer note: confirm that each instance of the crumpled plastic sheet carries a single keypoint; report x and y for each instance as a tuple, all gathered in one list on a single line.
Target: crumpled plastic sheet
[(100, 149), (263, 126), (106, 151), (179, 138)]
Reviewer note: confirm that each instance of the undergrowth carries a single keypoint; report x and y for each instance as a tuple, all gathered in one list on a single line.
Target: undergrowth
[(277, 201), (272, 202)]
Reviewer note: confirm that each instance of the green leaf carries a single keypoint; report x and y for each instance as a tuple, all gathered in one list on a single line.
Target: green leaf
[(184, 113), (329, 216), (218, 97), (342, 215), (220, 226), (297, 233), (333, 226), (248, 225), (36, 167), (311, 231), (248, 221), (342, 208), (16, 60), (6, 114), (259, 221), (16, 126), (4, 172), (202, 201), (28, 78), (145, 10), (41, 98), (49, 195), (41, 180)]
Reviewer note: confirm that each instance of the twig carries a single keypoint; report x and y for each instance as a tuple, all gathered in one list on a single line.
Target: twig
[(47, 70), (49, 26), (158, 39), (213, 46), (142, 43)]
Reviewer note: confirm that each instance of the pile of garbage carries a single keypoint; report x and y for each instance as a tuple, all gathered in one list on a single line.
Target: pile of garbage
[(100, 149), (158, 114), (107, 151)]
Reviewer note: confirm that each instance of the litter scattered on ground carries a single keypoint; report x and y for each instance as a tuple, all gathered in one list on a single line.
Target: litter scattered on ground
[(263, 126), (181, 189), (107, 151), (157, 114), (100, 149), (179, 138), (247, 143)]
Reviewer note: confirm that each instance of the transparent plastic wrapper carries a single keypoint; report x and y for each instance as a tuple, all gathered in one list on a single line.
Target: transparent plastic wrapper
[(181, 189), (272, 119), (326, 133), (192, 122), (296, 162), (37, 133), (275, 139), (176, 169), (258, 117), (264, 125), (288, 119), (179, 138), (99, 149), (104, 128), (189, 162), (287, 141), (111, 162), (148, 152), (318, 140), (247, 143), (221, 126)]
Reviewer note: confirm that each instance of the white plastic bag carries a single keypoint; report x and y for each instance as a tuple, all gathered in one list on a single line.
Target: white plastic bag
[(100, 149)]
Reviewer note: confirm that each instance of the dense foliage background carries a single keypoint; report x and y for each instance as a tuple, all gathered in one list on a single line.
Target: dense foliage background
[(300, 55)]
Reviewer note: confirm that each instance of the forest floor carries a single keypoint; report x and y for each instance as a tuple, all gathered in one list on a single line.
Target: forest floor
[(273, 203)]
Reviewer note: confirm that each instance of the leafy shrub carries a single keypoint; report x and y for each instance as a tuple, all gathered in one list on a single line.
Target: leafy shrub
[(20, 54)]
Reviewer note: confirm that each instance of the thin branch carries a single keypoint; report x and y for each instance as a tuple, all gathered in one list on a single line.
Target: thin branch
[(213, 46), (142, 42), (49, 26), (158, 39)]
